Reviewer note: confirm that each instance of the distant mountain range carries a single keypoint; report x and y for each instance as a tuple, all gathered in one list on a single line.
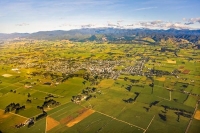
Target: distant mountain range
[(108, 34)]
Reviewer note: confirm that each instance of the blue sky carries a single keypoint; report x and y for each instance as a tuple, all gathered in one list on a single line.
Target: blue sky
[(41, 15)]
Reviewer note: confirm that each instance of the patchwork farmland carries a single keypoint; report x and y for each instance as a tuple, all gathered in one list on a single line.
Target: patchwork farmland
[(65, 86)]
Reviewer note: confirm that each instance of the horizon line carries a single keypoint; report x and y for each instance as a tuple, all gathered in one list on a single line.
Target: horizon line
[(100, 28)]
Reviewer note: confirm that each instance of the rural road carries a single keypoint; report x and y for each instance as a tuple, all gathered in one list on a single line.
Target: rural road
[(190, 122)]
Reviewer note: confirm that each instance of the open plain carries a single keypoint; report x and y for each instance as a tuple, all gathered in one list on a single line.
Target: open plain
[(66, 86)]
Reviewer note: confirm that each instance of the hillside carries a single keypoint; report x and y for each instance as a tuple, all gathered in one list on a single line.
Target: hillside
[(110, 35)]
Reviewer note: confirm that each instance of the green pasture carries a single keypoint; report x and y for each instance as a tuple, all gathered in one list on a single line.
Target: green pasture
[(97, 123), (8, 122), (112, 113)]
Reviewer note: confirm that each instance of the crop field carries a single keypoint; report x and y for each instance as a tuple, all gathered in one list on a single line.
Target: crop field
[(64, 86), (9, 120)]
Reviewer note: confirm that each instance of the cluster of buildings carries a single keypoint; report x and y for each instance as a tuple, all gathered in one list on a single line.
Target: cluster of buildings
[(103, 68)]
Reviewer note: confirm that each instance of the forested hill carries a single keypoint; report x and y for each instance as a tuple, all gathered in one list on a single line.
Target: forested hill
[(109, 34)]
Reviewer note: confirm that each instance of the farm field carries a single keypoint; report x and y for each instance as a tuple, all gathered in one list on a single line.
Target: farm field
[(65, 86)]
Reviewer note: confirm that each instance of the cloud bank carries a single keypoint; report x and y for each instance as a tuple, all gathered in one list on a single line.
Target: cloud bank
[(22, 24), (191, 21)]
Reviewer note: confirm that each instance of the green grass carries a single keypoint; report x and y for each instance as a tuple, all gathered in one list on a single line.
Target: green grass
[(170, 125), (97, 122), (181, 97), (177, 105), (38, 127), (191, 101), (113, 92), (194, 128), (8, 122), (71, 109), (12, 97)]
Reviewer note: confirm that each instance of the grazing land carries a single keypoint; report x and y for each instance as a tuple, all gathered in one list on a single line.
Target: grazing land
[(67, 86)]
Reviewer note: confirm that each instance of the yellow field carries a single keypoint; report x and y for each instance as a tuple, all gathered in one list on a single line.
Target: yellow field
[(106, 83), (7, 75), (197, 115), (80, 117), (171, 61), (161, 79), (51, 123)]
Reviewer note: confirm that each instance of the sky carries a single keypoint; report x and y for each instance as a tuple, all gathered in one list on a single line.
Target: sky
[(28, 16)]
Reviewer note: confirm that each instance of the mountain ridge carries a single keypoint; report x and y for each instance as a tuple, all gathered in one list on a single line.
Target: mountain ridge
[(84, 34)]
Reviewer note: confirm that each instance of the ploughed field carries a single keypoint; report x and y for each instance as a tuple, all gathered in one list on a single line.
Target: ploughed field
[(63, 86)]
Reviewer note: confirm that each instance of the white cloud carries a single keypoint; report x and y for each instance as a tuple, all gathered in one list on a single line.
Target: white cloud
[(176, 26), (65, 25), (110, 24), (191, 21), (194, 20), (87, 26), (156, 22), (22, 24), (149, 24), (131, 25), (119, 21), (159, 24)]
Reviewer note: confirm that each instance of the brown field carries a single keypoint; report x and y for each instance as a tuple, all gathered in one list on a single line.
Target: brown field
[(66, 120), (51, 123), (181, 67), (80, 117), (185, 71), (171, 61), (69, 118), (161, 79), (197, 115), (4, 116)]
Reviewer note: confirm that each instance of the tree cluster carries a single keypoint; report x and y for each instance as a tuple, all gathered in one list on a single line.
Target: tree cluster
[(50, 102), (89, 90), (19, 108), (50, 96), (131, 80), (13, 106), (40, 107), (130, 100), (28, 101), (40, 116), (31, 123), (163, 117), (20, 125), (176, 109), (159, 72), (153, 103), (183, 114)]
